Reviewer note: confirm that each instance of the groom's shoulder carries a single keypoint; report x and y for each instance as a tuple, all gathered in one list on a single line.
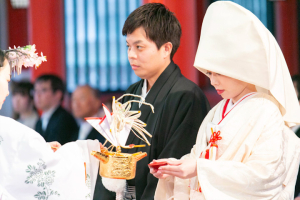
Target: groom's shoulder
[(132, 88), (188, 88)]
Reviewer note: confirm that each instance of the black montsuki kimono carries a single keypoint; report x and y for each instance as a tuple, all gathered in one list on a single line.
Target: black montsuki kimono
[(179, 106)]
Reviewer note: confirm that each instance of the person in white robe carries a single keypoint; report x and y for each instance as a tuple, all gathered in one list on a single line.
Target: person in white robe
[(29, 169), (244, 148)]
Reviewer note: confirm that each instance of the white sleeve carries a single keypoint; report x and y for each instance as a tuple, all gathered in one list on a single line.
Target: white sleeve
[(30, 169), (259, 176)]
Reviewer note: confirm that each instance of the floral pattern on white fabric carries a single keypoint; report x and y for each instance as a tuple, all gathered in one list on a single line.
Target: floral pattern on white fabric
[(88, 185), (43, 179)]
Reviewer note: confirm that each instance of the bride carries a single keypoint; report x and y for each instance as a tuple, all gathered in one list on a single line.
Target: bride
[(30, 169), (244, 148)]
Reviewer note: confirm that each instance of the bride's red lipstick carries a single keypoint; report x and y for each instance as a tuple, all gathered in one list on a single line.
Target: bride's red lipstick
[(220, 91)]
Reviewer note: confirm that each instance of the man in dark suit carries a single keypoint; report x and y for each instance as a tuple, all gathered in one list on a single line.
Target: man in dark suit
[(153, 36), (55, 124), (86, 103)]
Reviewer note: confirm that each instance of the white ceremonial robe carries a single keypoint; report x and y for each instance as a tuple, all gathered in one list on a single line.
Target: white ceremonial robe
[(257, 157), (29, 169)]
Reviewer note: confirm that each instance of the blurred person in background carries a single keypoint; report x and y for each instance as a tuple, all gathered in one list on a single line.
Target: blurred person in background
[(23, 105), (86, 103), (55, 124)]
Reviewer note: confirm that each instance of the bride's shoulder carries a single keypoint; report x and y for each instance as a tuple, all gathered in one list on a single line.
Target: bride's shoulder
[(262, 100)]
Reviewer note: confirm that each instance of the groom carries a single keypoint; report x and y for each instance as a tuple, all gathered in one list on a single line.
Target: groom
[(153, 37)]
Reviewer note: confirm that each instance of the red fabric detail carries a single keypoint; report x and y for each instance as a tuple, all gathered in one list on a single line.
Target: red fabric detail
[(225, 107), (214, 145), (207, 154), (85, 171), (215, 137)]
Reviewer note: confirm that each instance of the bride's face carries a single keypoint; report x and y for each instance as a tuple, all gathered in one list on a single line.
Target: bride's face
[(227, 87), (4, 80)]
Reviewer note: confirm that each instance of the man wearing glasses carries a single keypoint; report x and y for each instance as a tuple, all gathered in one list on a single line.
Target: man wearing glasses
[(55, 124)]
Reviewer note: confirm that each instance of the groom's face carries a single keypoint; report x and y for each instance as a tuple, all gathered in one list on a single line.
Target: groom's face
[(145, 58)]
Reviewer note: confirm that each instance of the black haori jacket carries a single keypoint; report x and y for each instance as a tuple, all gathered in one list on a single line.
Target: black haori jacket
[(179, 106)]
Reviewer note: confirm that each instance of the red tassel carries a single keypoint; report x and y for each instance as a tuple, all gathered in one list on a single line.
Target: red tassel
[(85, 171), (215, 137), (207, 154), (200, 189)]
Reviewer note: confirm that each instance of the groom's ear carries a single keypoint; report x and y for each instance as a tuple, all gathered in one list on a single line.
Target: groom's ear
[(167, 50)]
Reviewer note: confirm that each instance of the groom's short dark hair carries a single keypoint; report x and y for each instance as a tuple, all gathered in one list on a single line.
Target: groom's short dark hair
[(160, 24)]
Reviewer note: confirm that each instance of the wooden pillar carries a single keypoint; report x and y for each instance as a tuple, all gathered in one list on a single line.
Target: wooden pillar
[(46, 31), (17, 26), (287, 33), (185, 11)]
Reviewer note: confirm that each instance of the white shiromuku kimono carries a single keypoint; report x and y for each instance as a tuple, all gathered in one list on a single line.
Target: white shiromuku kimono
[(257, 157), (29, 169)]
